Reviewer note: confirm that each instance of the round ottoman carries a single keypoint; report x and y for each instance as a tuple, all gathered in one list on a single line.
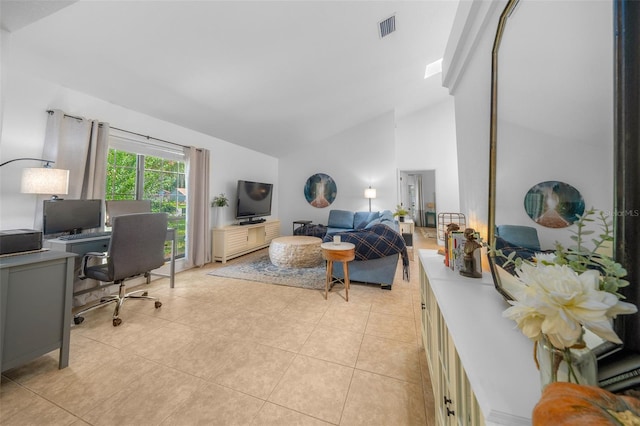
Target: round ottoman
[(296, 252)]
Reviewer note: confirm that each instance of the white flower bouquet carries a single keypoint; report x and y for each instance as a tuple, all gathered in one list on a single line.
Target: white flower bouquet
[(569, 291)]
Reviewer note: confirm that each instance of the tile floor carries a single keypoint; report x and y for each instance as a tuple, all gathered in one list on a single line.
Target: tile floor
[(231, 352)]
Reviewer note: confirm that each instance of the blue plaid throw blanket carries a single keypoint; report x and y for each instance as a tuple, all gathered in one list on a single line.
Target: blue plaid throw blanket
[(376, 242)]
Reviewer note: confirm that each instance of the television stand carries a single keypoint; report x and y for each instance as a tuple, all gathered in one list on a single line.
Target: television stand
[(233, 240), (252, 221)]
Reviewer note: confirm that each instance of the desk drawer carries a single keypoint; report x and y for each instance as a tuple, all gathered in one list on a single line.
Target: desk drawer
[(86, 246), (79, 247)]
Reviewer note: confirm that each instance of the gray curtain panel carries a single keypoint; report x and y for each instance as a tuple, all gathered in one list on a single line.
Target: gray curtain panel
[(198, 250), (81, 146)]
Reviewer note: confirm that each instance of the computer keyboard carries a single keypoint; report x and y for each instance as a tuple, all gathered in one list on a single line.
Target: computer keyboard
[(84, 236)]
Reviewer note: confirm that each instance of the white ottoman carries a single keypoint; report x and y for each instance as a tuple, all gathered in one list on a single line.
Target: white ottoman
[(296, 251)]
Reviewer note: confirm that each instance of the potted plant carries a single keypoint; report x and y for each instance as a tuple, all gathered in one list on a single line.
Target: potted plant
[(401, 212), (220, 201)]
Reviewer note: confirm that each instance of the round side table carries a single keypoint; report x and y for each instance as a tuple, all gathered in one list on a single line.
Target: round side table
[(338, 252)]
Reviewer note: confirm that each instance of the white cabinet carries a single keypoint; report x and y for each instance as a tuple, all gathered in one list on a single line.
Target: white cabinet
[(481, 366), (236, 240)]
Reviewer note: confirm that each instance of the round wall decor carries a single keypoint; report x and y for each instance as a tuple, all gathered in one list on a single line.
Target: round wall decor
[(320, 190), (553, 204)]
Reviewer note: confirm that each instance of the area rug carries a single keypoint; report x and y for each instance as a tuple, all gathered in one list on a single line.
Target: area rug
[(259, 268)]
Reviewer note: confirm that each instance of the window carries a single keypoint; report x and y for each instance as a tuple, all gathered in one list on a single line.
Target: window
[(134, 174)]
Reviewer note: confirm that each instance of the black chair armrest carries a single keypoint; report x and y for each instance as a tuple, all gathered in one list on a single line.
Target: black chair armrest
[(85, 259)]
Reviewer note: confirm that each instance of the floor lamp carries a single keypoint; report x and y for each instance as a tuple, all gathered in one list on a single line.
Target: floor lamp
[(43, 180), (370, 193)]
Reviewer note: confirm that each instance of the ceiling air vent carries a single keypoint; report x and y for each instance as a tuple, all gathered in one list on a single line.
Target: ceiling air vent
[(387, 26)]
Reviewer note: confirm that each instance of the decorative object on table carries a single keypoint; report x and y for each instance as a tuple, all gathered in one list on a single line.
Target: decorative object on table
[(472, 266), (401, 212), (444, 219), (320, 190), (370, 193), (219, 202), (554, 204), (571, 404), (564, 293), (452, 227), (577, 364)]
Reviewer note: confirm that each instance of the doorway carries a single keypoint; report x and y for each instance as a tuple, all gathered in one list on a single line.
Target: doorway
[(417, 193)]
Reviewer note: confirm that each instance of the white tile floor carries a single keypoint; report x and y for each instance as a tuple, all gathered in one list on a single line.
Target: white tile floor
[(222, 351)]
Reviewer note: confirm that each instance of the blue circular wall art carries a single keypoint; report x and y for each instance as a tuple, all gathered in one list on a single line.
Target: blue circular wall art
[(320, 190), (554, 204)]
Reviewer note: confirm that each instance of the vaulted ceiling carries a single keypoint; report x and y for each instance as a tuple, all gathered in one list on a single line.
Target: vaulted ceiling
[(268, 75)]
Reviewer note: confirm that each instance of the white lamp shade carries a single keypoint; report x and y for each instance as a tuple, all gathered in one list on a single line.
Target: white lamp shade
[(44, 180), (370, 193)]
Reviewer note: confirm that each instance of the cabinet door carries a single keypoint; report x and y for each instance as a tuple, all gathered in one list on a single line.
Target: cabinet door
[(272, 230), (237, 240)]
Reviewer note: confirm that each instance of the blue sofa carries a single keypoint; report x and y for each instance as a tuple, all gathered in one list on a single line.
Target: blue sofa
[(352, 226), (345, 220), (523, 240)]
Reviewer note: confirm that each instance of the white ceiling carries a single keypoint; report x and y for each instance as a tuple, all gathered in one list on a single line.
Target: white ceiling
[(268, 75)]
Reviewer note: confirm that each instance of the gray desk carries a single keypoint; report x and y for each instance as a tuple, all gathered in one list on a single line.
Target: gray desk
[(35, 306), (101, 244)]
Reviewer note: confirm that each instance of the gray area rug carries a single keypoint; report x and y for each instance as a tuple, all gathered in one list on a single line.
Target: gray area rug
[(260, 268)]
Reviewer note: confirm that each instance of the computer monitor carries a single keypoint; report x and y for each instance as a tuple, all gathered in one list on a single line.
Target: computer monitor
[(120, 207), (71, 216)]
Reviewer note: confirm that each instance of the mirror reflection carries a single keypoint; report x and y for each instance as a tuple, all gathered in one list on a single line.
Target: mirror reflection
[(554, 121)]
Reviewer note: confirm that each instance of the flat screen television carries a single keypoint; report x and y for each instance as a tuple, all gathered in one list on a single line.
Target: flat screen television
[(70, 216), (253, 201)]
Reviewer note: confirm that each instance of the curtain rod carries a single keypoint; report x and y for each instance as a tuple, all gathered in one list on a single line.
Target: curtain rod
[(126, 131), (148, 137)]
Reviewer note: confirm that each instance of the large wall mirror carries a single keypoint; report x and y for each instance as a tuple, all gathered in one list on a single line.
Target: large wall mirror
[(552, 119), (554, 115)]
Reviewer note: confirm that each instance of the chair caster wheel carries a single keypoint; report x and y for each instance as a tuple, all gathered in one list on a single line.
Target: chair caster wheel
[(78, 320), (146, 293), (158, 304), (117, 322)]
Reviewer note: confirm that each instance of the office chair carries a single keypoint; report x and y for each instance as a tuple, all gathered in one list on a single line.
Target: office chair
[(119, 207), (136, 247)]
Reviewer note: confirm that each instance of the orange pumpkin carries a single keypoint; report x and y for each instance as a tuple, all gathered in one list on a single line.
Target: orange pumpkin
[(570, 404)]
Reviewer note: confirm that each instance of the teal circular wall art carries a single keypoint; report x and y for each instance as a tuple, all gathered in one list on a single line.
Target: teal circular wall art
[(553, 204), (320, 190)]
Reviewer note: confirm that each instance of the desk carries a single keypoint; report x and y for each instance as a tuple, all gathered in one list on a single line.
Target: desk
[(35, 306), (101, 244)]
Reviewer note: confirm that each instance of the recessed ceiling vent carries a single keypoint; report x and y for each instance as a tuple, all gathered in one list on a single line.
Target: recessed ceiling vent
[(387, 26)]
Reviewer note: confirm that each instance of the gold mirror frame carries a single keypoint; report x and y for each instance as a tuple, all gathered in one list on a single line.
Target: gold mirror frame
[(496, 271)]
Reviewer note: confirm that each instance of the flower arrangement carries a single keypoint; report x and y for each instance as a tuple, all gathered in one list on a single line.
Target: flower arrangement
[(570, 290), (220, 201)]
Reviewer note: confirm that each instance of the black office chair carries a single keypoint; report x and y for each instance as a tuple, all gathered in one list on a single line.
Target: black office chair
[(136, 247)]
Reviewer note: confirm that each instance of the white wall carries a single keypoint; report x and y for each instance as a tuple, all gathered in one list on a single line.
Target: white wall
[(361, 156), (26, 100), (426, 140)]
